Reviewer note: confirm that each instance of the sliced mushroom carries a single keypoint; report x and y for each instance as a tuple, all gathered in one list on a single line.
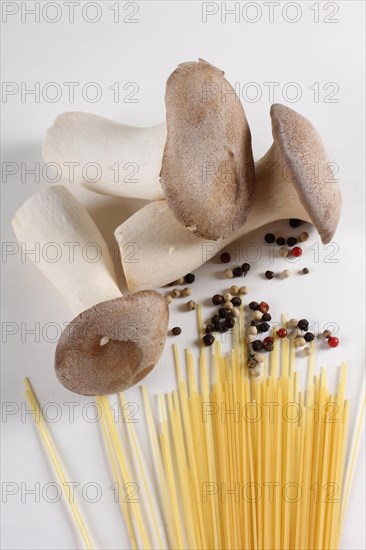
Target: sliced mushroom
[(116, 340), (105, 156), (286, 188), (207, 173)]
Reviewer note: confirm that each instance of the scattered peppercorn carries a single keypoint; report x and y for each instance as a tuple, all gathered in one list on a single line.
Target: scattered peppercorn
[(222, 327), (263, 307), (259, 357), (191, 305), (282, 333), (284, 252), (266, 317), (305, 270), (268, 343), (222, 313), (215, 319), (263, 327), (294, 222), (257, 345), (291, 241), (225, 257), (208, 339), (243, 290), (169, 298), (186, 292), (253, 323), (253, 306), (257, 315), (228, 305), (269, 274), (286, 273), (190, 278), (229, 273), (230, 322), (175, 293), (257, 371), (245, 267), (235, 312), (303, 236), (179, 281), (234, 290), (217, 299), (333, 342), (309, 337), (269, 238), (237, 272), (300, 342), (209, 329), (252, 330), (251, 363), (176, 331), (296, 252), (227, 297), (327, 334), (236, 301), (303, 324), (280, 241)]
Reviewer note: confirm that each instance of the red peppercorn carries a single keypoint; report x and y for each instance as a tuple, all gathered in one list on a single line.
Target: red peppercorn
[(263, 307), (268, 340), (296, 251), (282, 333), (333, 342)]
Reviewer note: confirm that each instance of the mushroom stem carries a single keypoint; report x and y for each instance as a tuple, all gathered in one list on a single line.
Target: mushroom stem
[(167, 250), (67, 247), (105, 156)]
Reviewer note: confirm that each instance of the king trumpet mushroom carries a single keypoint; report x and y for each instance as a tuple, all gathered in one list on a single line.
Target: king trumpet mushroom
[(114, 340), (294, 179)]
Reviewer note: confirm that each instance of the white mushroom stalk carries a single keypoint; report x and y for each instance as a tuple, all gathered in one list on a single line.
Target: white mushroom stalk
[(73, 254), (105, 156), (114, 341), (166, 250)]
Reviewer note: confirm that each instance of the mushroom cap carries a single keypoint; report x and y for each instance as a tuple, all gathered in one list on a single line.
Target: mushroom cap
[(303, 154), (112, 345), (207, 173)]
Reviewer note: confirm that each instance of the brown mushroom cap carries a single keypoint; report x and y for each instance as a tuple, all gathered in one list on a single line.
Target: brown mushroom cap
[(306, 160), (87, 363), (207, 173)]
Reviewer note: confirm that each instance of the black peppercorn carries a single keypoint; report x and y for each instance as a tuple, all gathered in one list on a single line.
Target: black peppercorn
[(237, 272), (269, 274), (221, 327), (266, 317), (176, 331), (217, 299), (223, 313), (208, 339), (269, 238), (215, 319), (190, 278), (253, 306), (230, 322), (245, 267), (305, 270), (294, 222), (209, 328), (263, 327), (291, 241), (253, 323), (280, 241), (309, 337), (236, 301), (225, 257), (257, 345), (303, 324)]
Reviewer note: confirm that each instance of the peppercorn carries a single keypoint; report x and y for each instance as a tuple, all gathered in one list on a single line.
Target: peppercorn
[(245, 267), (235, 312), (263, 307), (227, 297), (208, 339), (286, 273), (225, 257), (303, 236), (305, 270), (217, 299), (269, 238), (179, 281), (186, 292), (280, 241), (296, 252), (263, 327), (237, 272), (266, 317), (292, 323), (303, 324), (251, 330), (282, 333), (253, 306), (176, 331), (300, 342), (257, 345), (169, 298), (269, 274), (294, 222), (230, 322), (259, 357), (222, 326), (327, 334), (251, 363), (175, 293), (291, 241), (229, 273), (284, 252), (253, 323), (268, 343), (236, 301), (191, 305), (250, 338), (209, 329), (257, 315), (222, 313), (228, 305), (257, 371), (333, 342), (234, 290), (190, 278), (243, 290), (215, 319), (309, 337)]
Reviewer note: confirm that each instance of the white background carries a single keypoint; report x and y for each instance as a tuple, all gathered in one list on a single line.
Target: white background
[(145, 52)]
